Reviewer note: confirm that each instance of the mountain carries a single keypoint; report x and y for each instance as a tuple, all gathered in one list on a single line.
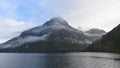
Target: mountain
[(94, 34), (56, 35), (108, 43)]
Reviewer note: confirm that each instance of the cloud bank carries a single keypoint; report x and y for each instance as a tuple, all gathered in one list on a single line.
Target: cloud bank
[(11, 28)]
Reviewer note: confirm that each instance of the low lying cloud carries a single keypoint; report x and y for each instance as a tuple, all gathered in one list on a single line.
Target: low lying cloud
[(10, 28)]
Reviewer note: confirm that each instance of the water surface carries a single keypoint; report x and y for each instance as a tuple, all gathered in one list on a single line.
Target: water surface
[(59, 60)]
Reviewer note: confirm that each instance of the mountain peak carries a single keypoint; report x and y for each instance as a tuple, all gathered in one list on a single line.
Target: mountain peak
[(56, 21)]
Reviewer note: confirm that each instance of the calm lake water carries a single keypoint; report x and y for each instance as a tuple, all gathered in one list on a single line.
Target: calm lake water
[(60, 60)]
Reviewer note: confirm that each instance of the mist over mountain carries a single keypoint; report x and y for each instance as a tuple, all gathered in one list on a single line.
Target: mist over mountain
[(55, 35), (94, 34), (108, 43)]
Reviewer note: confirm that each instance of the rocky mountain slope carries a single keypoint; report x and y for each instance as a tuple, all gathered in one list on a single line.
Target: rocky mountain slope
[(108, 43)]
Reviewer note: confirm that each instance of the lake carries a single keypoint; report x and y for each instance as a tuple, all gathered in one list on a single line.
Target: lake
[(60, 60)]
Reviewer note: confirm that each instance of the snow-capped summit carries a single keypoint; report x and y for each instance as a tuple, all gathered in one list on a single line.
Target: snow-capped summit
[(54, 24), (56, 21)]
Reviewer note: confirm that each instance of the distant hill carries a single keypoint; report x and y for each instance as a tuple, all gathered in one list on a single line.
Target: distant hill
[(108, 43), (94, 34)]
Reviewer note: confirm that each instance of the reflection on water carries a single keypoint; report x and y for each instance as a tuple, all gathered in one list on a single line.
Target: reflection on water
[(60, 60)]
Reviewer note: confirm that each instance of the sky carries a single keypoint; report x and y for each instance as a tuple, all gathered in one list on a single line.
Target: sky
[(19, 15)]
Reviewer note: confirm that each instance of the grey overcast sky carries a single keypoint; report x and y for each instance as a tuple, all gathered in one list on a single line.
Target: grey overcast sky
[(18, 15)]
